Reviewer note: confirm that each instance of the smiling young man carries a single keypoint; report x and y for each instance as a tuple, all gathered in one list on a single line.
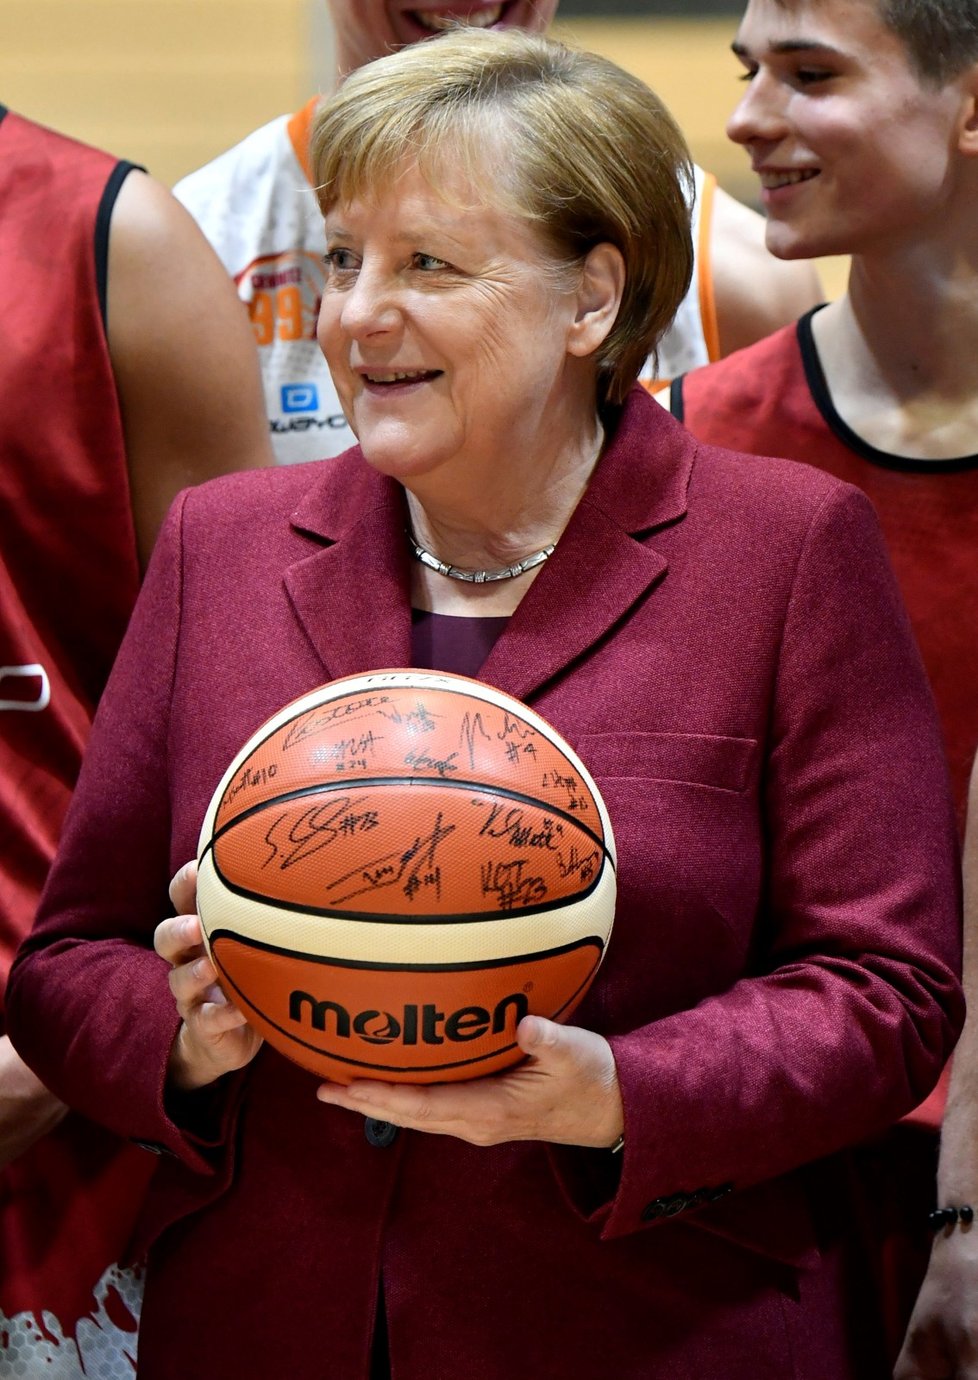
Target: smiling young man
[(256, 205), (861, 121)]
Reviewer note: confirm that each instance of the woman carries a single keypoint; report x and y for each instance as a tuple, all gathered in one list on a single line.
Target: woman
[(721, 641)]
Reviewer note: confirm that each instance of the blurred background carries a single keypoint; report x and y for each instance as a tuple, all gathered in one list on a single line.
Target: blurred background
[(171, 83)]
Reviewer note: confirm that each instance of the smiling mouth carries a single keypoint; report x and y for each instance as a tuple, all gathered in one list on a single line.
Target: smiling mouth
[(437, 20), (771, 181), (391, 376)]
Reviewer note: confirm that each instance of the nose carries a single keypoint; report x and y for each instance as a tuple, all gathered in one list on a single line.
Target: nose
[(370, 305), (759, 116)]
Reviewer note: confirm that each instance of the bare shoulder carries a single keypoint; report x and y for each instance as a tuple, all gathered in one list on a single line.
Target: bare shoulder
[(755, 293), (183, 354)]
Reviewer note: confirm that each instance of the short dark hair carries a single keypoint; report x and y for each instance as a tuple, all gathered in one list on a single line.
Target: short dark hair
[(941, 36)]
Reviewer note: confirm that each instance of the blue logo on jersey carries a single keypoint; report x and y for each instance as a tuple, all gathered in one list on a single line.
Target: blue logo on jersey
[(300, 397)]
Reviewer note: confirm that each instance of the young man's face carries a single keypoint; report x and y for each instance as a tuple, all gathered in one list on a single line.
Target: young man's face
[(367, 29), (852, 148)]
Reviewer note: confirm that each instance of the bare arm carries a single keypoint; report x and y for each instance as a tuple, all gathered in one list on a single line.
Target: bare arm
[(27, 1110), (755, 293), (942, 1339), (183, 355)]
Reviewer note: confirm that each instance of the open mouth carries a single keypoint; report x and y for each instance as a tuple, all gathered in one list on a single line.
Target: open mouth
[(436, 20), (388, 378), (771, 181)]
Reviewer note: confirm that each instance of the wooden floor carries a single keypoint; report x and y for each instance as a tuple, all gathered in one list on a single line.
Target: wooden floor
[(170, 83)]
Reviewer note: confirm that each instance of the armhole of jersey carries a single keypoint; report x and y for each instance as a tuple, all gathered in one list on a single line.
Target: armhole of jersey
[(299, 130), (708, 306), (3, 111), (103, 222), (676, 406)]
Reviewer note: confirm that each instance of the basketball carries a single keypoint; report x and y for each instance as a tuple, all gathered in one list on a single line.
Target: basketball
[(396, 868)]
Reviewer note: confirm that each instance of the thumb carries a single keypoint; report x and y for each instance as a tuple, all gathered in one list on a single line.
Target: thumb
[(551, 1043)]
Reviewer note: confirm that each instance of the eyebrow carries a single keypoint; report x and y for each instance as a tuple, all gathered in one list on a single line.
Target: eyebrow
[(786, 46)]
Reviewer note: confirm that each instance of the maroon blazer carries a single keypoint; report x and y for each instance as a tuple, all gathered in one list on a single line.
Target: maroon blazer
[(723, 643)]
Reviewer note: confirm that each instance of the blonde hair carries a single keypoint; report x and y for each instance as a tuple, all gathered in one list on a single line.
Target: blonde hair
[(562, 138)]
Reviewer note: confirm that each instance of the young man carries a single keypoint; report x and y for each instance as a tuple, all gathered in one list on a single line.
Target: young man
[(256, 205), (861, 120), (112, 403)]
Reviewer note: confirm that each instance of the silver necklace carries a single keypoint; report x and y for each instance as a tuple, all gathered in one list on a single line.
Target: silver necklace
[(477, 577)]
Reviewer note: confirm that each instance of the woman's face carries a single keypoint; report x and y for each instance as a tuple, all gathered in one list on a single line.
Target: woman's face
[(445, 331), (367, 29), (851, 148)]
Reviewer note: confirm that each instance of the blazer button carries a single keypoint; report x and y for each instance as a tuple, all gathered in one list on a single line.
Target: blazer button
[(654, 1210), (153, 1146), (379, 1133)]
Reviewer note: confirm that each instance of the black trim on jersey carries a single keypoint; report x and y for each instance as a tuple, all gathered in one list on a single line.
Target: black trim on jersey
[(676, 405), (103, 220), (815, 377), (3, 111)]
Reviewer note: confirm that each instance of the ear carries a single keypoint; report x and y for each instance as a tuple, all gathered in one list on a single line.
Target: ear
[(968, 122), (598, 299)]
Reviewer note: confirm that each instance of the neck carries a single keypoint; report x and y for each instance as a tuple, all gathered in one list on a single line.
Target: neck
[(488, 526), (897, 350)]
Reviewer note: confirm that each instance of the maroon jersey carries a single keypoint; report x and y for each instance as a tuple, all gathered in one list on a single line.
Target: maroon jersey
[(68, 581), (772, 399), (68, 568)]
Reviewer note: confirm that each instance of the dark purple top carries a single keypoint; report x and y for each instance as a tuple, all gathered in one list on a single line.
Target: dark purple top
[(447, 642)]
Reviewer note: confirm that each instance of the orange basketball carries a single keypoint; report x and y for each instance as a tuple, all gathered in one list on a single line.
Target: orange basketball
[(399, 866)]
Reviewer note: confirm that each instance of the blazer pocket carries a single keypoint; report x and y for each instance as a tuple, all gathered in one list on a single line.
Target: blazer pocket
[(698, 759)]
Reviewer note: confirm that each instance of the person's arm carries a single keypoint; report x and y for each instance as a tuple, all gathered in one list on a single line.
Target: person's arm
[(104, 1043), (942, 1339), (183, 355), (754, 293), (27, 1110), (186, 368)]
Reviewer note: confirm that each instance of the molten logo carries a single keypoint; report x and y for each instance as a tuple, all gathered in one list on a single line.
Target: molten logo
[(413, 1024)]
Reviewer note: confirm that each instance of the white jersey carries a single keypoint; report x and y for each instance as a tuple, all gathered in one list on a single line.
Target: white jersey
[(256, 205)]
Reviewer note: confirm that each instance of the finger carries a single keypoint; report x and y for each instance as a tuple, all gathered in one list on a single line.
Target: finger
[(537, 1036), (194, 982), (183, 888), (179, 938), (563, 1048), (446, 1110)]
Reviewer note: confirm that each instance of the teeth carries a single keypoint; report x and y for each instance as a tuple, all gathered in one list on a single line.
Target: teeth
[(771, 180), (396, 377), (436, 20)]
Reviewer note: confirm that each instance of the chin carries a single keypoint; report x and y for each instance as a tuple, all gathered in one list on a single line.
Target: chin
[(786, 242)]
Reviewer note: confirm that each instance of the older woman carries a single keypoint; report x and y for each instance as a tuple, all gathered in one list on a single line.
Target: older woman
[(660, 1190)]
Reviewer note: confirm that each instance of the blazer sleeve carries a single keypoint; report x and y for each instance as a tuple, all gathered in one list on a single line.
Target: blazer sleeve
[(89, 1003), (852, 1003)]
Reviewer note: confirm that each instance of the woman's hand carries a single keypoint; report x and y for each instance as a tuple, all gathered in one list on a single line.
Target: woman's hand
[(942, 1339), (27, 1110), (566, 1092), (214, 1038)]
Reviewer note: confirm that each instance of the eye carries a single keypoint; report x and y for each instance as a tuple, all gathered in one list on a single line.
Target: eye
[(342, 261), (427, 263), (811, 76)]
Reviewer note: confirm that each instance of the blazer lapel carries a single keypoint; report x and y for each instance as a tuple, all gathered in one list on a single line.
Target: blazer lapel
[(604, 562), (351, 595)]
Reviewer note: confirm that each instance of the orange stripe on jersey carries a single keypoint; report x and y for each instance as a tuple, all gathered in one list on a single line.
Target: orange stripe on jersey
[(300, 134), (708, 306)]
